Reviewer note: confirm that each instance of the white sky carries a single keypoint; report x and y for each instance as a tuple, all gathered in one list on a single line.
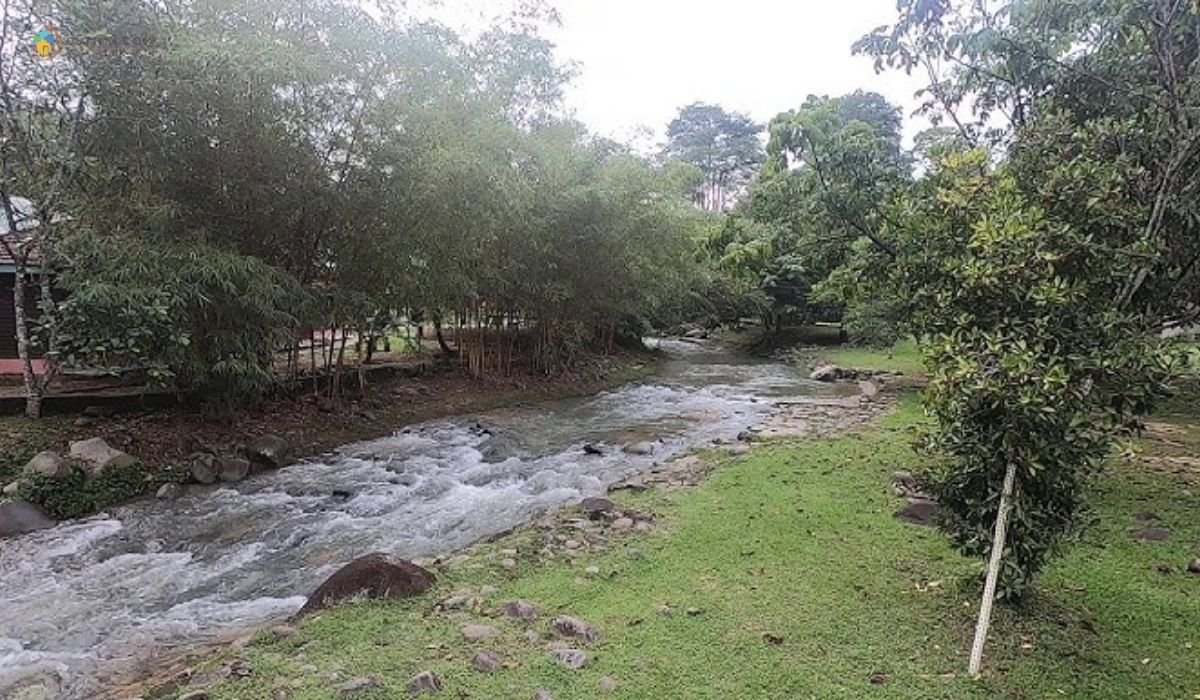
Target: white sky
[(639, 61)]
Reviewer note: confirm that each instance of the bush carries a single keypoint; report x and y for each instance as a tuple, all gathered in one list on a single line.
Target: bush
[(76, 495), (1031, 365)]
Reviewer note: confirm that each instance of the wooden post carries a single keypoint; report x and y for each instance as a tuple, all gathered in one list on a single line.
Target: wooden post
[(989, 589)]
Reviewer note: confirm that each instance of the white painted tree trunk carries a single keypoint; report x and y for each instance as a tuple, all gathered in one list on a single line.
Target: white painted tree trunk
[(989, 589)]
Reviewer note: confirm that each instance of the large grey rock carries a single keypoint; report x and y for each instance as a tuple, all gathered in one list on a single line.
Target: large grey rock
[(868, 389), (543, 694), (232, 470), (375, 576), (19, 517), (50, 464), (203, 467), (97, 456), (268, 450), (12, 488), (1194, 566), (640, 448)]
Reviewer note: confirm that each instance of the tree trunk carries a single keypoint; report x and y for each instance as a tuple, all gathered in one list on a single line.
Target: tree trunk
[(441, 339), (33, 388), (989, 588)]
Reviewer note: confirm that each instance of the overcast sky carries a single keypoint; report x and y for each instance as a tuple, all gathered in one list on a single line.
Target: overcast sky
[(640, 60)]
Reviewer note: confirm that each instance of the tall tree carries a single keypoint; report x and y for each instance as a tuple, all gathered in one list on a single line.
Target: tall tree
[(724, 145), (1093, 111), (831, 166)]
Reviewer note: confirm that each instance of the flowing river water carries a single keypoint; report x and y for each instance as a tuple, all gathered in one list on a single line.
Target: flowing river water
[(93, 600)]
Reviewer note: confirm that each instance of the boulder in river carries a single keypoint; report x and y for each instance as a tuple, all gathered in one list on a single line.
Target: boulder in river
[(375, 576), (19, 517), (203, 467), (169, 491), (640, 448), (232, 470), (96, 455), (268, 450), (48, 463)]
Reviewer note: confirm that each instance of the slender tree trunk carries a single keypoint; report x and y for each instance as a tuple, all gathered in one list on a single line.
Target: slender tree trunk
[(989, 589), (33, 400), (48, 309), (441, 339), (312, 358)]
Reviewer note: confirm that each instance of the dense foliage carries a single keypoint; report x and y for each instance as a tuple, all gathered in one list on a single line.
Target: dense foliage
[(829, 165), (1041, 274), (237, 173), (1036, 240)]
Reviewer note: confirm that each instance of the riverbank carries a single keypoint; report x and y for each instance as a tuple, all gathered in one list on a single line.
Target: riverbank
[(162, 440), (812, 346), (783, 574)]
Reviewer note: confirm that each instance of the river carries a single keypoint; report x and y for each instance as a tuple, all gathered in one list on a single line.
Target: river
[(94, 600)]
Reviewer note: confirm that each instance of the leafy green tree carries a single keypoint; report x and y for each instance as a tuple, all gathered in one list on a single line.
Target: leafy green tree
[(724, 145), (832, 165), (1054, 273)]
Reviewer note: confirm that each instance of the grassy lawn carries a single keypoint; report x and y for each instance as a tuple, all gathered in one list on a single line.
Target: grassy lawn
[(904, 357), (786, 576)]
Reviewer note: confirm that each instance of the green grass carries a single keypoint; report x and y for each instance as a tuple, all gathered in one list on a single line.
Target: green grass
[(795, 541), (904, 357)]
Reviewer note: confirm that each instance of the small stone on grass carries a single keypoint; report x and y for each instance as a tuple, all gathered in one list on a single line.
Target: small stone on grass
[(424, 682)]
